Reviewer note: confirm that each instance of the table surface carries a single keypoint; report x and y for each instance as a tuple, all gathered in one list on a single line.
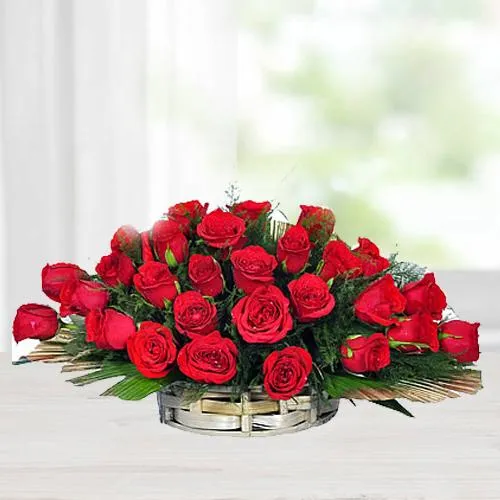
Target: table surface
[(62, 442)]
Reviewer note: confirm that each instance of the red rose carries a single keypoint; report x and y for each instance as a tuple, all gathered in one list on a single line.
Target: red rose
[(380, 302), (415, 334), (425, 296), (146, 250), (109, 329), (365, 354), (286, 372), (127, 240), (209, 359), (263, 316), (34, 321), (369, 254), (152, 349), (319, 222), (221, 229), (156, 283), (194, 315), (169, 241), (116, 268), (461, 340), (252, 267), (251, 210), (81, 296), (205, 275), (311, 298), (187, 214), (338, 260), (55, 276), (294, 249)]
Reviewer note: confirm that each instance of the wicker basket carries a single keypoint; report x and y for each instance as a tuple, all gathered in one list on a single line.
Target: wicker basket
[(253, 414)]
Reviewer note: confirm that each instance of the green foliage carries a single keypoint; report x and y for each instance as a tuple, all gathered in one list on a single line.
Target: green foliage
[(337, 386), (395, 405)]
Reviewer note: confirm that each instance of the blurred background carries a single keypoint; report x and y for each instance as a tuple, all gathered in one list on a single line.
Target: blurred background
[(388, 111)]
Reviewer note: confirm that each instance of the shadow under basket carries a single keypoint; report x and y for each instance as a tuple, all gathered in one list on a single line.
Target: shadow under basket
[(254, 413)]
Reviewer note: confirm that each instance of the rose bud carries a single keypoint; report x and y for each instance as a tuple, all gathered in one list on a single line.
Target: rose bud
[(221, 229), (425, 296), (194, 315), (319, 222), (127, 240), (365, 354), (34, 321), (205, 275), (251, 210), (55, 276), (187, 214), (109, 329), (146, 250), (378, 303), (170, 244), (461, 340), (263, 316), (311, 298), (156, 283), (369, 254), (294, 249), (80, 297), (116, 268), (286, 372), (338, 260), (152, 350), (252, 267), (209, 359), (416, 334)]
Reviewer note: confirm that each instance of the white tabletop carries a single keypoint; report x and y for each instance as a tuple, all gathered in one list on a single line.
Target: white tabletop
[(63, 442)]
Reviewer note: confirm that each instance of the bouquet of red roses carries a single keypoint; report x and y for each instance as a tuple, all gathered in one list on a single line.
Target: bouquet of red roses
[(232, 297)]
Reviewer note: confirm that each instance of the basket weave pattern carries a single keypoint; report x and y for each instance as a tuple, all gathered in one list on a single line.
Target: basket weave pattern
[(252, 414)]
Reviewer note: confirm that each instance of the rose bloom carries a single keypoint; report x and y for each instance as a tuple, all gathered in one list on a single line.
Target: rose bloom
[(369, 255), (55, 276), (365, 354), (319, 222), (109, 329), (187, 214), (126, 239), (252, 267), (461, 340), (425, 296), (415, 334), (311, 298), (338, 260), (294, 249), (81, 296), (205, 275), (251, 210), (35, 321), (286, 372), (156, 283), (116, 268), (152, 350), (167, 236), (378, 303), (209, 359), (221, 229), (146, 249), (194, 315), (263, 316)]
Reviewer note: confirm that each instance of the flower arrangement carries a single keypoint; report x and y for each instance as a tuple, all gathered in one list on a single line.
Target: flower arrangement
[(233, 298)]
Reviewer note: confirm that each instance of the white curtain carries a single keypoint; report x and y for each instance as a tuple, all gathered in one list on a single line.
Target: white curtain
[(111, 110)]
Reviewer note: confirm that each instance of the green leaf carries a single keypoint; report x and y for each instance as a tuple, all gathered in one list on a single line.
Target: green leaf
[(134, 387), (107, 371), (395, 405), (339, 385)]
